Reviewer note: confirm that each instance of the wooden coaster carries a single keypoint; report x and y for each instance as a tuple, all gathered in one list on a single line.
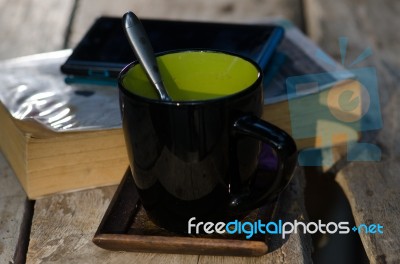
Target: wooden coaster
[(126, 227)]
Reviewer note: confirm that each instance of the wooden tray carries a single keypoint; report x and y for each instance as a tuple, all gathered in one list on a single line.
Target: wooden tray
[(126, 227)]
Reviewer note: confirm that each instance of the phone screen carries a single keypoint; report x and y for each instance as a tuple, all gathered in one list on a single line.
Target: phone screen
[(105, 50)]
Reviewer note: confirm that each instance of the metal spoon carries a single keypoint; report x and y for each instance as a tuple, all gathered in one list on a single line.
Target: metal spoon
[(143, 50)]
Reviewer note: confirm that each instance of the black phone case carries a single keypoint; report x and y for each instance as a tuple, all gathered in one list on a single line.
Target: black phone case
[(104, 50)]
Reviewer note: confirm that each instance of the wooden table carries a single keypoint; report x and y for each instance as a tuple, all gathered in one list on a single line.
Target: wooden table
[(59, 229)]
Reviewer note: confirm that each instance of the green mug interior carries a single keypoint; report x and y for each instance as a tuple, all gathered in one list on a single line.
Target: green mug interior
[(195, 75)]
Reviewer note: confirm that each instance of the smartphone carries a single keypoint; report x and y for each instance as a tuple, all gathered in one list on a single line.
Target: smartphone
[(104, 50)]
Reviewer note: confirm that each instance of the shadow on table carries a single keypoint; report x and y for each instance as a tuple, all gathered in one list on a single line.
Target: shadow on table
[(326, 201)]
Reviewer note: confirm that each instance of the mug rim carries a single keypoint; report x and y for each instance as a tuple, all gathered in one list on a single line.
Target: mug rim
[(246, 90)]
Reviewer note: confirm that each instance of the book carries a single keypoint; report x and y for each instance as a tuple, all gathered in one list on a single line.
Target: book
[(61, 137), (58, 137)]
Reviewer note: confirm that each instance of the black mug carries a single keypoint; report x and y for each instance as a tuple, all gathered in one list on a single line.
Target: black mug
[(197, 155)]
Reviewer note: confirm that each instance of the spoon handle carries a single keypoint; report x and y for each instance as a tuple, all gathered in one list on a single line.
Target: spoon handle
[(144, 52)]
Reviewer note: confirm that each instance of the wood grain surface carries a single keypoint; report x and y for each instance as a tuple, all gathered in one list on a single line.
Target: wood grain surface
[(372, 188), (63, 227), (32, 26), (12, 205)]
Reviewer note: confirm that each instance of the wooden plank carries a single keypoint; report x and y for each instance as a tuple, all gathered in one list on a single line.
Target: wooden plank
[(214, 10), (63, 227), (32, 26), (361, 23), (371, 187), (373, 193), (26, 27), (12, 204)]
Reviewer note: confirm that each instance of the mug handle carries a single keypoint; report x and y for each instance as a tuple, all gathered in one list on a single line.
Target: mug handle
[(286, 151)]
